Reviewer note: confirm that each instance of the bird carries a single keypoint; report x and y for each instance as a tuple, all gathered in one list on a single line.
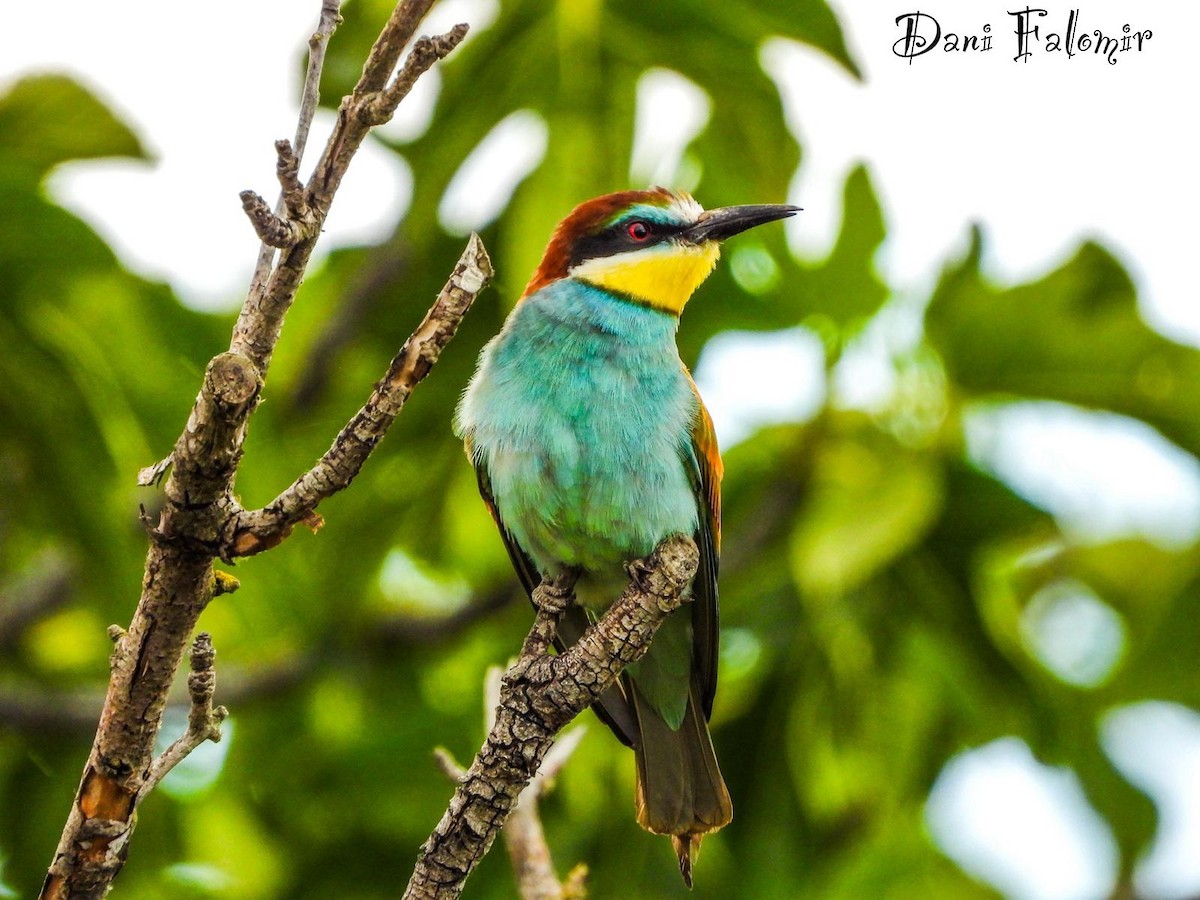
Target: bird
[(591, 444)]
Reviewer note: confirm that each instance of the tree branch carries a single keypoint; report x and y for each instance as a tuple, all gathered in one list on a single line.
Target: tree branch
[(539, 695), (204, 721), (524, 838), (288, 164), (274, 230), (261, 319), (425, 52), (261, 529), (200, 513)]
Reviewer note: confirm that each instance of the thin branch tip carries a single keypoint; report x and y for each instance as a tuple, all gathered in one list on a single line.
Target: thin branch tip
[(476, 264), (292, 192), (204, 720), (381, 106), (331, 18), (272, 230), (448, 765)]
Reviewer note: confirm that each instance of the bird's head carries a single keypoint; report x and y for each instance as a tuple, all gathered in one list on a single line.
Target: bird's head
[(654, 247)]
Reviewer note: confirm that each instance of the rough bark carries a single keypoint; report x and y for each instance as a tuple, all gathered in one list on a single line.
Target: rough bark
[(255, 531), (201, 515), (539, 695)]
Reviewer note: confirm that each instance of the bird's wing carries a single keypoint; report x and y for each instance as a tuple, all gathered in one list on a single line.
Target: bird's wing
[(526, 571), (614, 707), (706, 469)]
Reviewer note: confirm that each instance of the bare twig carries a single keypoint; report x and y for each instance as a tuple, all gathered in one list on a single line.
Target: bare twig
[(539, 695), (328, 22), (331, 18), (269, 299), (448, 765), (381, 62), (287, 170), (425, 52), (261, 529), (204, 720), (200, 513), (274, 230), (524, 838)]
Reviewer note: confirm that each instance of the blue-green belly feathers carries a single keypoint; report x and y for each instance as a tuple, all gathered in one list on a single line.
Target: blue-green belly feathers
[(581, 414)]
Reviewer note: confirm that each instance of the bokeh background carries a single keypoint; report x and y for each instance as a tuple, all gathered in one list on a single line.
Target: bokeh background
[(960, 581)]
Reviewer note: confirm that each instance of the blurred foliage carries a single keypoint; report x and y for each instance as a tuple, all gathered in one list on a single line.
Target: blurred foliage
[(874, 579)]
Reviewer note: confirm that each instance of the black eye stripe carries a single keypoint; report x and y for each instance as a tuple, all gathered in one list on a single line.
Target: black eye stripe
[(615, 238)]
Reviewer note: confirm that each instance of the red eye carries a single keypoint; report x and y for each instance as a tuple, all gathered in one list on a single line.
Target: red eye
[(639, 231)]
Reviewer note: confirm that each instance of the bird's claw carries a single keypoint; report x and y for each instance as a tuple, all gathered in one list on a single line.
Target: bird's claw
[(554, 596)]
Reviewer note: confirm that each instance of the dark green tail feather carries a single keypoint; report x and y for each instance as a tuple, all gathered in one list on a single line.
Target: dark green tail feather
[(680, 791)]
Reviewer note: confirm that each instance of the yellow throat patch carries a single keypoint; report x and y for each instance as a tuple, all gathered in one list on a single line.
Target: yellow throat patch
[(662, 277)]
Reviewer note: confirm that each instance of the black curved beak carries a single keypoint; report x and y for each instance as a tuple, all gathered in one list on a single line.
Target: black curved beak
[(719, 224)]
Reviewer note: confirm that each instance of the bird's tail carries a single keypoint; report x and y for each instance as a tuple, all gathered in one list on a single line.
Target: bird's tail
[(680, 791)]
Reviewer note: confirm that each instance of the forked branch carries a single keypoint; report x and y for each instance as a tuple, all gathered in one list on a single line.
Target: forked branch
[(261, 529), (201, 514)]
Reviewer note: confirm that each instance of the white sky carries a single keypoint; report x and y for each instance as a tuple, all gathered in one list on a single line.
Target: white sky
[(1044, 154)]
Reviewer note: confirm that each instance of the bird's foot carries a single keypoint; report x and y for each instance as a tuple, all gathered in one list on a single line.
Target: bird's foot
[(554, 596)]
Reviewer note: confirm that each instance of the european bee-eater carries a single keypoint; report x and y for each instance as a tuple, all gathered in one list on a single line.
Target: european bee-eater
[(591, 445)]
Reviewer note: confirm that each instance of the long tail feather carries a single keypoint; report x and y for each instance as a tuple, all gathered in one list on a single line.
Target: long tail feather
[(680, 791), (687, 848)]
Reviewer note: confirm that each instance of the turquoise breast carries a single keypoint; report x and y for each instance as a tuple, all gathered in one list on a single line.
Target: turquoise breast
[(581, 413)]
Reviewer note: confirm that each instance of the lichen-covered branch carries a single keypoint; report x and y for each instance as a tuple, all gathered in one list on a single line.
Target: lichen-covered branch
[(539, 695), (178, 584), (200, 512), (260, 529)]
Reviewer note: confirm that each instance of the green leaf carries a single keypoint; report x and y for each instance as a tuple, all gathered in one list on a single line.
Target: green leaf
[(50, 119), (846, 287), (1075, 335), (870, 502)]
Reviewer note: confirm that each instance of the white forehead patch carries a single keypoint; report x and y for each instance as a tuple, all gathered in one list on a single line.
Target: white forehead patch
[(684, 206)]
